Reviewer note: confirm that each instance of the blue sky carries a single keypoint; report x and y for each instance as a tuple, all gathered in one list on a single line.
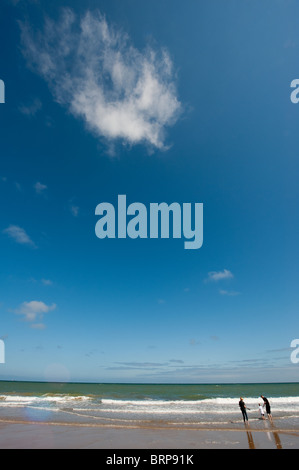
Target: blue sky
[(163, 102)]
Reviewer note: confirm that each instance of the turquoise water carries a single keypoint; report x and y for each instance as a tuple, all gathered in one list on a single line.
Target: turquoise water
[(152, 391), (146, 404)]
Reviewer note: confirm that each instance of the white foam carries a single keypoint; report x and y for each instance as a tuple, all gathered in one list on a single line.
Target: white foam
[(31, 400), (213, 406)]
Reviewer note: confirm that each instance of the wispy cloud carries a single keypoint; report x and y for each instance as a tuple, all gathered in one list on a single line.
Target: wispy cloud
[(34, 310), (279, 350), (38, 326), (74, 210), (99, 76), (230, 293), (194, 342), (142, 364), (47, 282), (40, 188), (214, 338), (19, 235), (219, 275), (30, 109)]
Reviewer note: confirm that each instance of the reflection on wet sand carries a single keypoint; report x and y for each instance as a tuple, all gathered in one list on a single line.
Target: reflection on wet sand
[(277, 440), (274, 434), (250, 440), (271, 431)]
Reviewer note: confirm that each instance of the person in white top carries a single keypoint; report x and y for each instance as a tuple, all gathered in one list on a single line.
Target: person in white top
[(262, 411)]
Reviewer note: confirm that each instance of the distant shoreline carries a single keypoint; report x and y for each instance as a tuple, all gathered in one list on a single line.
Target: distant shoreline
[(145, 383)]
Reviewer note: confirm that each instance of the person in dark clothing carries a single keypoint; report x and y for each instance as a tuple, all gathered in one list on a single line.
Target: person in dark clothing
[(243, 409), (268, 407)]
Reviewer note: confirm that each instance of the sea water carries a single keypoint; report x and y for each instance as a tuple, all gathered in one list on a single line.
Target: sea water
[(129, 405)]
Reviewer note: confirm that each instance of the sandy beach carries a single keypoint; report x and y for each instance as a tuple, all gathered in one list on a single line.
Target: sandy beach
[(140, 416), (34, 435)]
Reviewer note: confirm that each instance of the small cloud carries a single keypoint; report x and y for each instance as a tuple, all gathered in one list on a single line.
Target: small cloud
[(91, 353), (47, 282), (194, 342), (3, 179), (74, 210), (34, 310), (176, 361), (214, 338), (161, 301), (31, 109), (38, 326), (229, 293), (19, 235), (40, 188), (219, 275), (18, 186), (73, 207)]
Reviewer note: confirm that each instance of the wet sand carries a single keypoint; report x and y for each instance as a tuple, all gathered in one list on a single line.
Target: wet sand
[(34, 435)]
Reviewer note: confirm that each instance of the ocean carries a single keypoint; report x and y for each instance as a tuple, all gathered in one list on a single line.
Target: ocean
[(146, 405)]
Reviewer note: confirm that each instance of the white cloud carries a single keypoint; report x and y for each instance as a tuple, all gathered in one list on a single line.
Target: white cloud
[(34, 310), (19, 235), (40, 188), (220, 275), (99, 76)]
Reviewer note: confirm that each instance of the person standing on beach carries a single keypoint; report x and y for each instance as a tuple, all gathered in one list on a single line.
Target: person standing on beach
[(243, 409), (268, 407), (262, 411)]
